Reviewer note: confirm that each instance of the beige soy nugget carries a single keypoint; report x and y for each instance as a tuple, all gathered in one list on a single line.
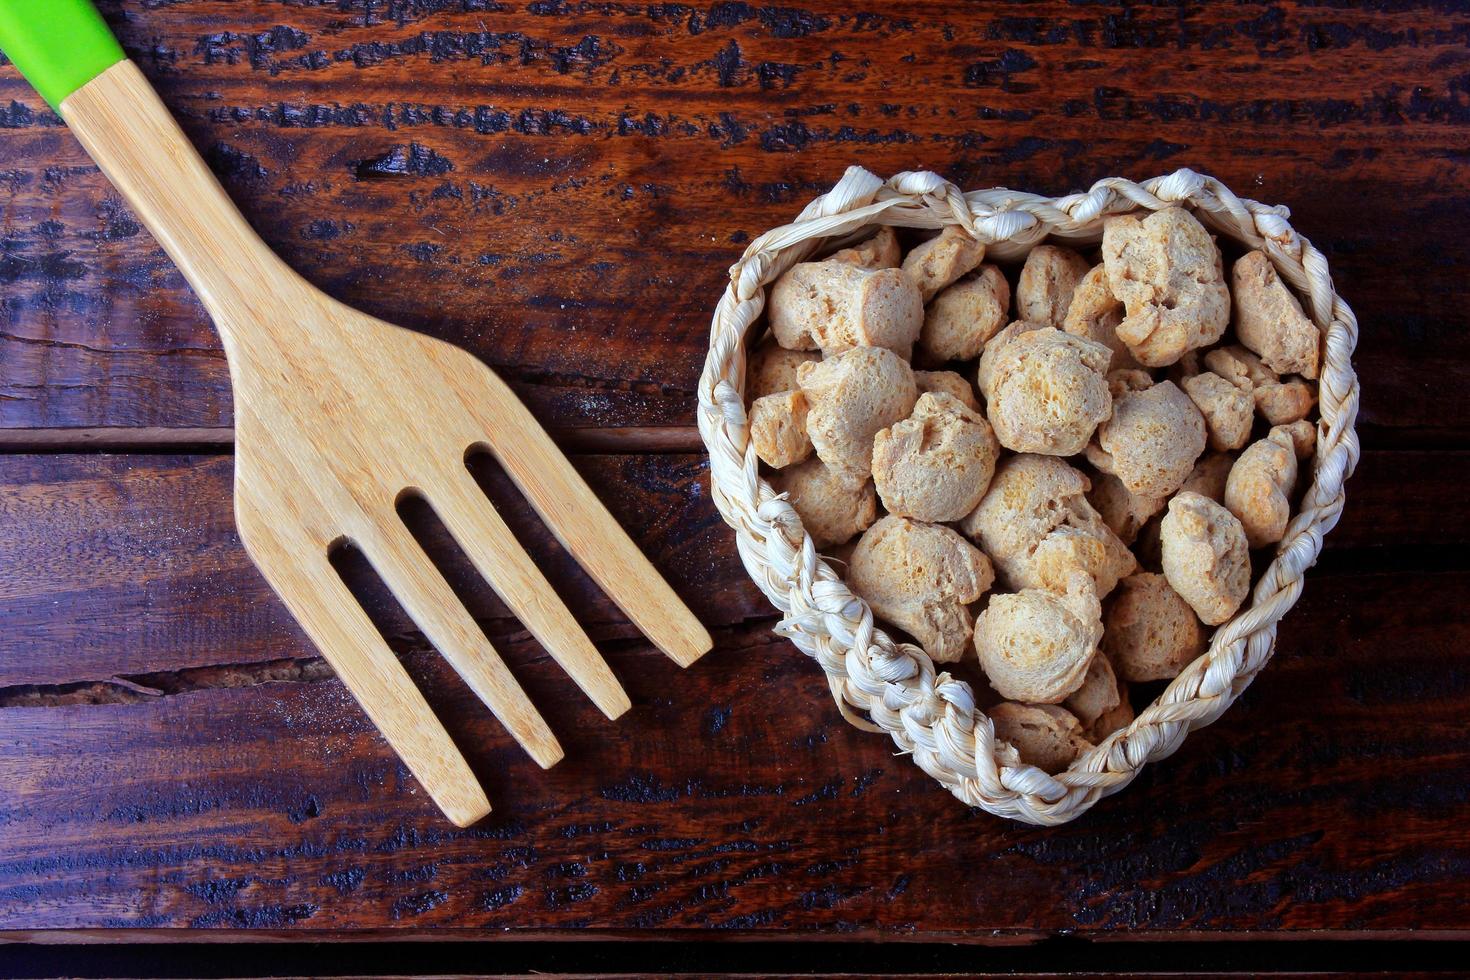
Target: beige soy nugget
[(851, 396), (1048, 280), (1167, 271), (1035, 645), (1205, 556), (1043, 735), (948, 383), (921, 578), (963, 316), (1303, 437), (837, 306), (1239, 366), (1228, 409), (1209, 476), (1285, 402), (1095, 314), (1070, 549), (1099, 693), (832, 505), (1123, 511), (778, 428), (1152, 439), (990, 354), (1047, 392), (941, 260), (1125, 380), (880, 251), (1278, 402), (936, 464), (1258, 491), (1269, 318), (1149, 632), (1110, 721), (1033, 499), (772, 369)]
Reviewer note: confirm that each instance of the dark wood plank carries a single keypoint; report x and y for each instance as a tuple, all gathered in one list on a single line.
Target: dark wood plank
[(174, 756), (1333, 797), (125, 439), (613, 960), (124, 566), (561, 186), (127, 566)]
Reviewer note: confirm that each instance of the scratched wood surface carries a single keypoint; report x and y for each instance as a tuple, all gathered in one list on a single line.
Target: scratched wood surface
[(241, 788), (559, 186)]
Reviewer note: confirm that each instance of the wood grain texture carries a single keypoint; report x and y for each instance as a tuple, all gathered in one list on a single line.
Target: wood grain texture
[(560, 186), (1276, 819), (249, 792), (129, 566), (141, 554)]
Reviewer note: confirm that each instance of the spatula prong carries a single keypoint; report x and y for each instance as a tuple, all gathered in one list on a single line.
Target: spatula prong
[(432, 604), (315, 594), (578, 519), (585, 528), (489, 543)]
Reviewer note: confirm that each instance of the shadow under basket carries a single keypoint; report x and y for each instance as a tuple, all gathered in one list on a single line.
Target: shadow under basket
[(883, 685)]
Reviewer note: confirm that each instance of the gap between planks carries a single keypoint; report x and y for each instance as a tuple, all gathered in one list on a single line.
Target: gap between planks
[(624, 439), (148, 686), (747, 634)]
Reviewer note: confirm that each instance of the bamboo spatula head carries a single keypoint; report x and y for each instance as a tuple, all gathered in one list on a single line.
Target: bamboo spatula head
[(337, 416), (333, 427)]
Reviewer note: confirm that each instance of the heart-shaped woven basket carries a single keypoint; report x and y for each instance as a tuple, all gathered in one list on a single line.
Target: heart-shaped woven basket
[(881, 685)]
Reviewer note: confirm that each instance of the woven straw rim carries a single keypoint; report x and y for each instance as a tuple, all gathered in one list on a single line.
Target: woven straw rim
[(895, 685)]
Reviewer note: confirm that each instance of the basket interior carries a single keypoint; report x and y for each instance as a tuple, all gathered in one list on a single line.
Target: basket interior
[(926, 710)]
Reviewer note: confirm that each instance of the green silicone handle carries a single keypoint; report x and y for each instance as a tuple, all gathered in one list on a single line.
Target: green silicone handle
[(58, 45)]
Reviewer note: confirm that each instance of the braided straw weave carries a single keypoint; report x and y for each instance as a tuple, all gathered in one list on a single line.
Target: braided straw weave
[(884, 686)]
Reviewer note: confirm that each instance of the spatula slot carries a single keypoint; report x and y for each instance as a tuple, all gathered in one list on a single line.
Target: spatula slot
[(559, 566), (477, 663), (433, 537), (386, 615), (486, 499), (520, 651), (584, 527)]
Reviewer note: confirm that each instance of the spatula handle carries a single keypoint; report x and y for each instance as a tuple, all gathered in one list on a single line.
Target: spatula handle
[(58, 45), (65, 49)]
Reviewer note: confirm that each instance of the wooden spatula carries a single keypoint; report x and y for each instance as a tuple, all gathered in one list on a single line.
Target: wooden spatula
[(338, 416)]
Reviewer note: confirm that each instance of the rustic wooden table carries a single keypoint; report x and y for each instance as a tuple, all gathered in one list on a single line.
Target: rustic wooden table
[(560, 187)]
